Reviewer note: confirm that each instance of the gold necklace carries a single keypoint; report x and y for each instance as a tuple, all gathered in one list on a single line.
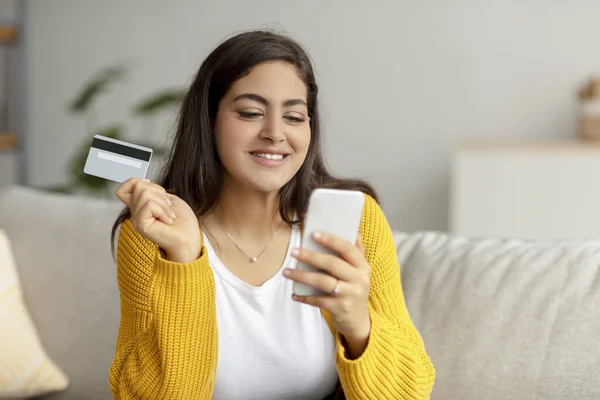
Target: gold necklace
[(252, 259)]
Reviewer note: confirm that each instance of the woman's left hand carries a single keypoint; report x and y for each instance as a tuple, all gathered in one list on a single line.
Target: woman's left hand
[(346, 284)]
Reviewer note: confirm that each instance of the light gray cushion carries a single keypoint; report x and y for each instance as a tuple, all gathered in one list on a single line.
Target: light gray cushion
[(61, 247), (506, 319), (500, 319)]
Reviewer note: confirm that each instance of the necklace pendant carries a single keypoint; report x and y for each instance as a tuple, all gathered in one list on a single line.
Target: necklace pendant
[(253, 259)]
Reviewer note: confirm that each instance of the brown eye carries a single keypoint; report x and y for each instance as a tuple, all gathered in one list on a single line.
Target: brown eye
[(295, 120), (249, 115)]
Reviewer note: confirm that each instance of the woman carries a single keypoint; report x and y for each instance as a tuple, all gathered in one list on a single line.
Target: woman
[(205, 257)]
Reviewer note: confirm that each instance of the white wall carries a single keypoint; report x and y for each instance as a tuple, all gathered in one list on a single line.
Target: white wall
[(401, 81)]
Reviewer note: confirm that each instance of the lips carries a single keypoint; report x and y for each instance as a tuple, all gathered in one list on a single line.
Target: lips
[(269, 159), (269, 156)]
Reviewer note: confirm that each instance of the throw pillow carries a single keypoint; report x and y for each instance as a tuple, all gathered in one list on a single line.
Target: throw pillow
[(25, 368)]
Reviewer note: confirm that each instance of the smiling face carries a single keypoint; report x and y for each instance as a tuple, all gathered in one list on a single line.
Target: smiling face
[(262, 128)]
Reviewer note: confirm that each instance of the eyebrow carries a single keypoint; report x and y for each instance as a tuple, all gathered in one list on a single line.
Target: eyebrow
[(262, 100)]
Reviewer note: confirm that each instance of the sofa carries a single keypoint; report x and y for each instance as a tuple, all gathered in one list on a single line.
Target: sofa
[(501, 319)]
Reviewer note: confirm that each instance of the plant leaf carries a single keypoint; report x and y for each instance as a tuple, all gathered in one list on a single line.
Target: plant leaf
[(62, 189), (158, 101), (96, 86)]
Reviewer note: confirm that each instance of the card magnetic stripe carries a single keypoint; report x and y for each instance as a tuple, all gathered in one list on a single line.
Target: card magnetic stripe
[(121, 149)]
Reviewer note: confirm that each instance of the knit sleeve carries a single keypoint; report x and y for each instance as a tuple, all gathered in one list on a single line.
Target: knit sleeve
[(395, 364), (167, 335)]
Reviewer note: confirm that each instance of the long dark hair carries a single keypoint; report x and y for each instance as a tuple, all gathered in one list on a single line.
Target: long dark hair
[(193, 170)]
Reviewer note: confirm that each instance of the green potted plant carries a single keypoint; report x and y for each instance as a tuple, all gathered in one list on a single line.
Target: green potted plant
[(83, 104)]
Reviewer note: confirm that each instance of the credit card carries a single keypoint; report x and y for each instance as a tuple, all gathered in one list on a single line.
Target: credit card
[(116, 160)]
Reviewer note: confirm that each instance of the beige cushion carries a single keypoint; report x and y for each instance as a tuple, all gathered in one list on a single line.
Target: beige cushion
[(506, 319), (25, 368), (61, 244)]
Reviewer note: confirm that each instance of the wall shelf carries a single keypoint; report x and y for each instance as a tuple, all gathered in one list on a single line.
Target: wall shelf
[(12, 93), (8, 34), (8, 141)]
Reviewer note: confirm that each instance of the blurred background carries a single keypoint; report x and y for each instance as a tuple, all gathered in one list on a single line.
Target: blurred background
[(479, 118), (404, 84)]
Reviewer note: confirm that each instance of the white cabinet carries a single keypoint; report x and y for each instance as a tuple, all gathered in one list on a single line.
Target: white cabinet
[(529, 190)]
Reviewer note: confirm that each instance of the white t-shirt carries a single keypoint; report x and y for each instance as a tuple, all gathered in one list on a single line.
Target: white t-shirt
[(270, 346)]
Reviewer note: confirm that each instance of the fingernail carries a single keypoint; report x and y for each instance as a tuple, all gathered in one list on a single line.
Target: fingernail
[(294, 297), (286, 272), (173, 215), (295, 252), (169, 201), (147, 180), (317, 235)]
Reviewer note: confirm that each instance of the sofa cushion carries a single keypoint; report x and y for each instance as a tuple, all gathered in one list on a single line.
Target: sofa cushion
[(25, 369), (506, 319), (61, 246)]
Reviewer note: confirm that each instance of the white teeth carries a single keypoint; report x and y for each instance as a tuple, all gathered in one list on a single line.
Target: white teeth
[(269, 156)]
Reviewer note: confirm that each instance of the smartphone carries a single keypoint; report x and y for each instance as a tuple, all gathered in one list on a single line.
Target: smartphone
[(334, 211)]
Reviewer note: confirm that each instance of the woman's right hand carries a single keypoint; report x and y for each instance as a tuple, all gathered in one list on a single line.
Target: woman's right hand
[(162, 218)]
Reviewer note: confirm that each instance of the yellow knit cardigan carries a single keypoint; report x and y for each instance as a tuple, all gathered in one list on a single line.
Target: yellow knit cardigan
[(167, 341)]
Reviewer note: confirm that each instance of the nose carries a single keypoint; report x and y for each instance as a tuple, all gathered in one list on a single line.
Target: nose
[(272, 130)]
